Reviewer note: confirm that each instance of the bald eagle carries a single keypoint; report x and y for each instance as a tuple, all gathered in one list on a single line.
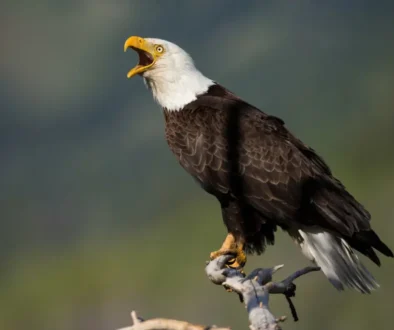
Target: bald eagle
[(262, 175)]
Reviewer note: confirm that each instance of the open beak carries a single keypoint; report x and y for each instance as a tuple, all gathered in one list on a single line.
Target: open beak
[(145, 52)]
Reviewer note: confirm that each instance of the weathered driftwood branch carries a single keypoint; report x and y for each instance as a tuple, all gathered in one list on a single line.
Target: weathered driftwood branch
[(165, 324), (254, 290)]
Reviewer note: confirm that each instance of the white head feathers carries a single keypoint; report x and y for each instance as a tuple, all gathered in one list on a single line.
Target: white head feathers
[(173, 79)]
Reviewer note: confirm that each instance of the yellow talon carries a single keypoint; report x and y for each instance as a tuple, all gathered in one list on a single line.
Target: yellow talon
[(230, 246)]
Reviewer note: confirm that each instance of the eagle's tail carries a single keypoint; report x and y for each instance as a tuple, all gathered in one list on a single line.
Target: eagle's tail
[(337, 260)]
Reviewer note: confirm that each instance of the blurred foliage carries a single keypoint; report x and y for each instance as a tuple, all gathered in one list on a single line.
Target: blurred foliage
[(98, 218)]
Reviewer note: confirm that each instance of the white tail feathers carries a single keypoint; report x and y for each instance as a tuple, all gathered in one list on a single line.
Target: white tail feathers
[(337, 260)]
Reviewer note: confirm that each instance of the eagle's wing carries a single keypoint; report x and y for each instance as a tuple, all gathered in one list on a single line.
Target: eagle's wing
[(234, 148)]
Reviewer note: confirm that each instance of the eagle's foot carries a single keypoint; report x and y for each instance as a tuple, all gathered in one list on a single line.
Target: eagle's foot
[(239, 260), (230, 246)]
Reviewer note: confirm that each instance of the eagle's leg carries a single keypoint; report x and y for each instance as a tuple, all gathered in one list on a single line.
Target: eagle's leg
[(234, 247)]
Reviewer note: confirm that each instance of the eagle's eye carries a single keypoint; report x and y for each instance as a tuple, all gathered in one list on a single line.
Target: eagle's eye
[(159, 49)]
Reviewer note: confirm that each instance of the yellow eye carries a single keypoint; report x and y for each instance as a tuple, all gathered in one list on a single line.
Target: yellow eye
[(159, 48)]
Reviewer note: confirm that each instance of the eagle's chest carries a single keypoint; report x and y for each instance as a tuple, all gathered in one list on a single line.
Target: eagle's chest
[(194, 139), (183, 132)]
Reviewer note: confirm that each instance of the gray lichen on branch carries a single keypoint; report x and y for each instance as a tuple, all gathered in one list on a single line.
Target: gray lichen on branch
[(254, 290)]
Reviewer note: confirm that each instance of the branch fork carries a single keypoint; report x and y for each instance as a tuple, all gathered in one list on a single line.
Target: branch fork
[(254, 290)]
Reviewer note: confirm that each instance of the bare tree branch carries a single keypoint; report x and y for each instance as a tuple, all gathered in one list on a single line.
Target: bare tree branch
[(254, 290), (165, 324)]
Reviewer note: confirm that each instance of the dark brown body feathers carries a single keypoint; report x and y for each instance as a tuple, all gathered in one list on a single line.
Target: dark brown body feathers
[(262, 175)]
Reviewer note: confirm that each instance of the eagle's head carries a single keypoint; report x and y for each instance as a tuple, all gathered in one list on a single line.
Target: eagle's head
[(168, 71)]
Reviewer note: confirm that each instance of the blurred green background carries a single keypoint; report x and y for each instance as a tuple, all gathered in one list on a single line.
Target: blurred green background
[(98, 218)]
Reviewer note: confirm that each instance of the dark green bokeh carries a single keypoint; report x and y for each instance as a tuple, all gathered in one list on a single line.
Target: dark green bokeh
[(98, 218)]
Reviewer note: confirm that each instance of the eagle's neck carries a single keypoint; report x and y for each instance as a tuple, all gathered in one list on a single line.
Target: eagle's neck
[(173, 90)]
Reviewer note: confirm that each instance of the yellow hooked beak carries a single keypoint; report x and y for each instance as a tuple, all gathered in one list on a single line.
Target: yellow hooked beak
[(146, 51)]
